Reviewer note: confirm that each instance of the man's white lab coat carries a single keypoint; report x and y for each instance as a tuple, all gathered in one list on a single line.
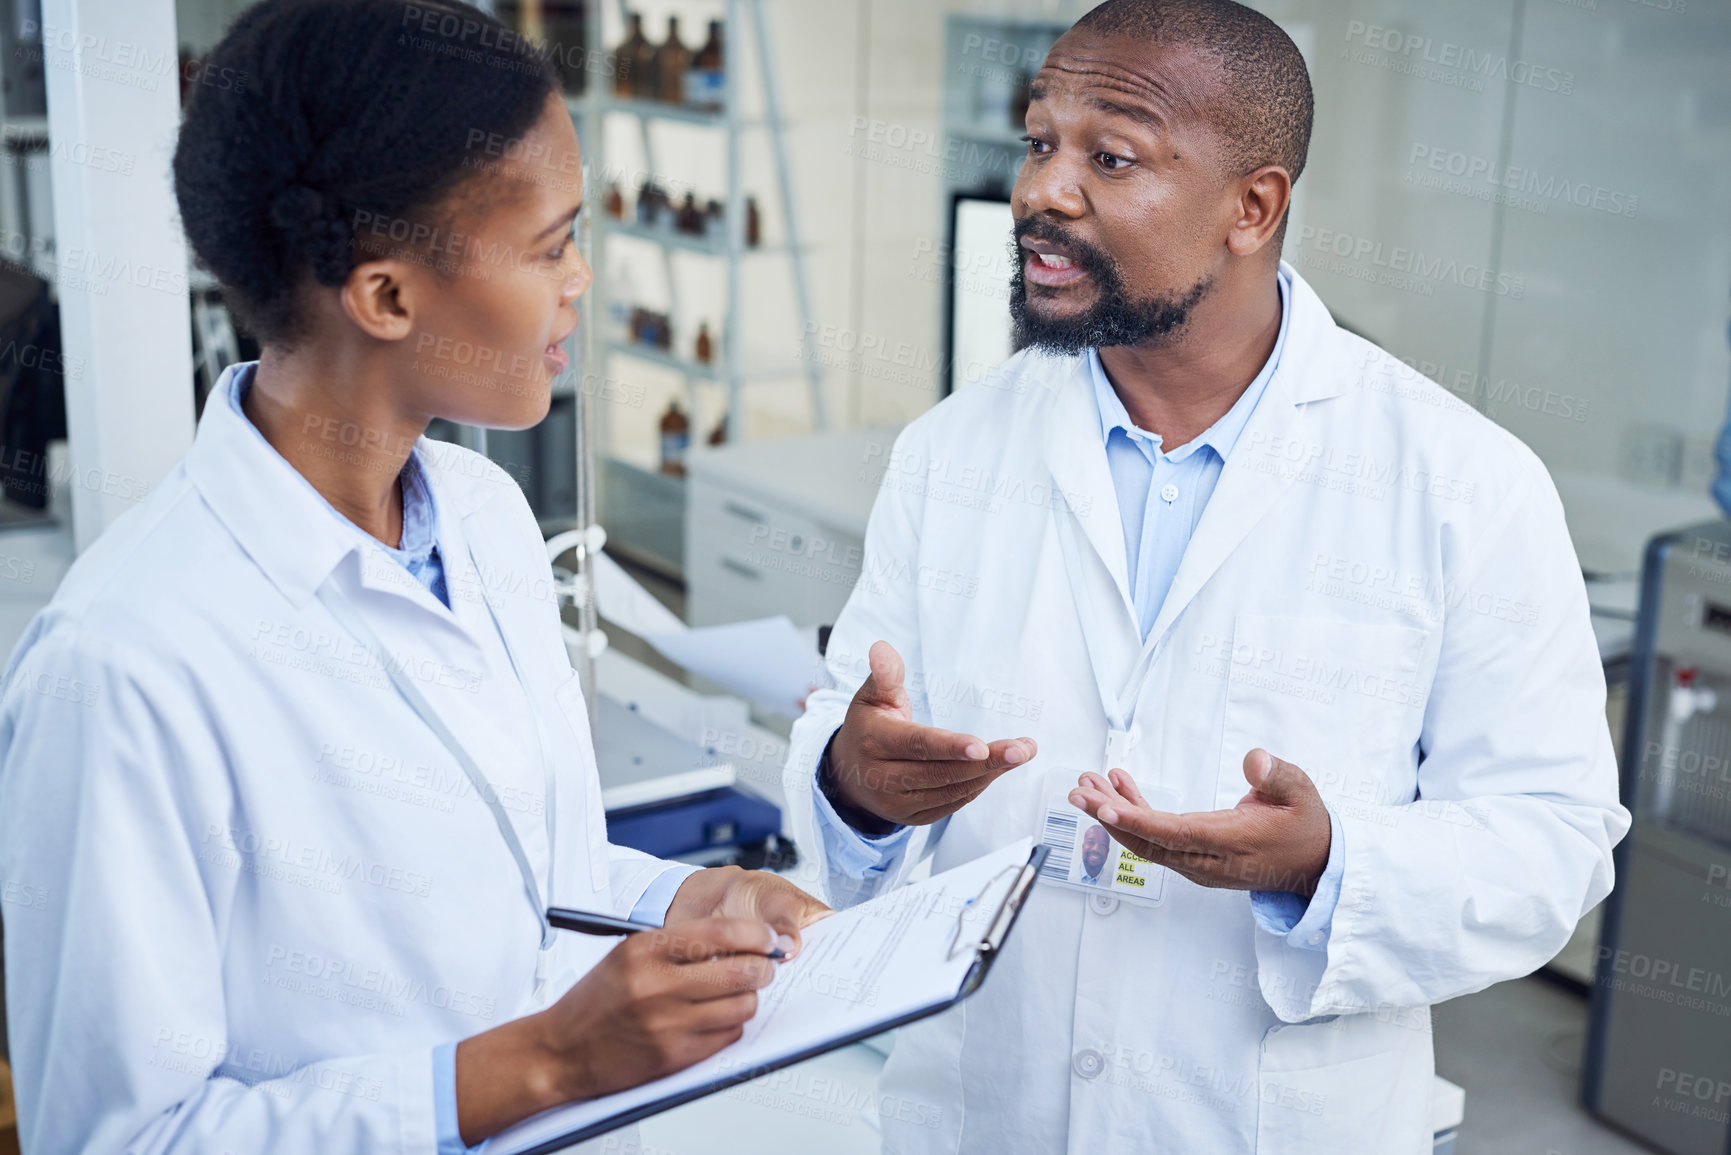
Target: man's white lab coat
[(270, 890), (1380, 590)]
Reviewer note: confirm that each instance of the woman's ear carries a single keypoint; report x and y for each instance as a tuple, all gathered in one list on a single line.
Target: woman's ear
[(379, 298)]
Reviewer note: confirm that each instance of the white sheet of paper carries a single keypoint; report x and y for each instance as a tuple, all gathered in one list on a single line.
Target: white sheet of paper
[(870, 964), (767, 660), (627, 604)]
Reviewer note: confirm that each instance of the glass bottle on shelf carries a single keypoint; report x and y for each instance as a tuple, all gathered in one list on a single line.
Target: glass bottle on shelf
[(715, 222), (706, 79), (705, 350), (753, 223), (615, 201), (718, 436), (675, 439), (690, 218), (633, 59), (671, 61)]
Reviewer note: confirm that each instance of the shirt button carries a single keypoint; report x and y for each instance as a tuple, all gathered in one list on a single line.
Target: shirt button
[(1168, 493), (1088, 1063), (1102, 903)]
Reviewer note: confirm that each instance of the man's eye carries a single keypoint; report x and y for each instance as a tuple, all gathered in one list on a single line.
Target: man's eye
[(1036, 146), (1110, 162)]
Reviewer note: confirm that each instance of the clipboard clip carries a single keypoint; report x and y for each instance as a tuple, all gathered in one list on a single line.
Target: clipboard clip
[(1005, 914)]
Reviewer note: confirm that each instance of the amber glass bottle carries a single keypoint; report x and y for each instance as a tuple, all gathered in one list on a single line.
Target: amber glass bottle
[(671, 61)]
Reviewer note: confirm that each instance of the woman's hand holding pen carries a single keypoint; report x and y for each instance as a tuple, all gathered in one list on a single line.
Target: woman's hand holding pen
[(731, 892), (657, 1003)]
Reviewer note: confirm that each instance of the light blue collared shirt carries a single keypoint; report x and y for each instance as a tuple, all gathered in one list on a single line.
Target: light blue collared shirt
[(1161, 496), (418, 552)]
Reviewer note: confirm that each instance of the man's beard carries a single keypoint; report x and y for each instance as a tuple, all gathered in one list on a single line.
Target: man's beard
[(1113, 318)]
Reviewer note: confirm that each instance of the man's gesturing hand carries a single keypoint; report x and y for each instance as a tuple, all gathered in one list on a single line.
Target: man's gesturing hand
[(885, 771), (1276, 838)]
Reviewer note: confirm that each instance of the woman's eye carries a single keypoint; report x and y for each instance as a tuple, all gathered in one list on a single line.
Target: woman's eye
[(1036, 146), (1109, 162)]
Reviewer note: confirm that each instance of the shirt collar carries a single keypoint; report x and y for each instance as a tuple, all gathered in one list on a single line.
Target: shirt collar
[(1224, 433), (285, 525)]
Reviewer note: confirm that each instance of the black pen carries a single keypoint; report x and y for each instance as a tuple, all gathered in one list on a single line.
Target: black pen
[(606, 925)]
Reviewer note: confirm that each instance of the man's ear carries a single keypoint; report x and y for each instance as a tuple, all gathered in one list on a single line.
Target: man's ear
[(1263, 198), (379, 297)]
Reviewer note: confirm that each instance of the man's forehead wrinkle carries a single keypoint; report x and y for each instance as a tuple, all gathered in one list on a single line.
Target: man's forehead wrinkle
[(1084, 73)]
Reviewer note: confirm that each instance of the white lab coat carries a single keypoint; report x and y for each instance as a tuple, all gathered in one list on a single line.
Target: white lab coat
[(268, 891), (1382, 591)]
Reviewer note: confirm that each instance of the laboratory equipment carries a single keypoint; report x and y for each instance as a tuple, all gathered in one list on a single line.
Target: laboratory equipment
[(1659, 1042)]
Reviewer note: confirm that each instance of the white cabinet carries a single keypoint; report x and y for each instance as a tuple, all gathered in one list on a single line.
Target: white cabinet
[(779, 527)]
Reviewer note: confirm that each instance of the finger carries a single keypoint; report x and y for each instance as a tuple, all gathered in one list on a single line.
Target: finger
[(788, 911), (703, 939), (898, 740), (1126, 786), (898, 777), (1276, 781), (1202, 832), (720, 1014), (1099, 797), (929, 806), (1008, 752), (722, 977), (883, 686), (1089, 800)]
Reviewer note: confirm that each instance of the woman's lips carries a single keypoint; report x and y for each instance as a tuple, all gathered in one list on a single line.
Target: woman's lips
[(557, 358), (1051, 269)]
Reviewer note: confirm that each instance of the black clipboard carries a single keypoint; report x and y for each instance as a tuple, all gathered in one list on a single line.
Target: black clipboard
[(986, 950)]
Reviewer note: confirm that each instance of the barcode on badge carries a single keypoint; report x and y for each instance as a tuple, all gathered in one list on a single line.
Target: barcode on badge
[(1061, 837)]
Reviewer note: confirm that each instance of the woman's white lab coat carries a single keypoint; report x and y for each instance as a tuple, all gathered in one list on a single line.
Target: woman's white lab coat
[(1382, 591), (269, 891)]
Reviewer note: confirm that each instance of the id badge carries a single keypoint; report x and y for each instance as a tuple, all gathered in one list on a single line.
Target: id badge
[(1084, 854)]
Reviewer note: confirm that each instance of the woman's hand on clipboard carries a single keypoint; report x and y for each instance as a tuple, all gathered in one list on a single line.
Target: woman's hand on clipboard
[(657, 1003), (734, 893)]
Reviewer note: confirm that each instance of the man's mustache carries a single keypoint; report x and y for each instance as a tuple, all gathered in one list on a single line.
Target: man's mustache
[(1084, 254)]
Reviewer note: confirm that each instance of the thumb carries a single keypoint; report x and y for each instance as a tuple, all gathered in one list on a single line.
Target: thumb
[(1274, 781), (883, 688)]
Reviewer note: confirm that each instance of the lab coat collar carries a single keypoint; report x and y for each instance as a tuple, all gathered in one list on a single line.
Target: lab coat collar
[(1255, 476), (283, 524), (1223, 434), (268, 507), (1076, 457)]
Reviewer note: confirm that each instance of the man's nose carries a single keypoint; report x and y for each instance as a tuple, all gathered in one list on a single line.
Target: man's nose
[(1052, 187)]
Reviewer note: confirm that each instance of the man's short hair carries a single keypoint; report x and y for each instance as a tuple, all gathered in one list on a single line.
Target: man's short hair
[(1264, 107)]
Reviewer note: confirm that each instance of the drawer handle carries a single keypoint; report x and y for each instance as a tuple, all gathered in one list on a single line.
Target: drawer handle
[(741, 569), (746, 512)]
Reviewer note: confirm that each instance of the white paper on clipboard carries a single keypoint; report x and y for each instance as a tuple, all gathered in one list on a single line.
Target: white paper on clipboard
[(871, 964)]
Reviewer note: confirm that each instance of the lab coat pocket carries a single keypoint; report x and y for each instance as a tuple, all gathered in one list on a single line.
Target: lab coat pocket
[(1333, 1086), (1339, 699), (578, 761)]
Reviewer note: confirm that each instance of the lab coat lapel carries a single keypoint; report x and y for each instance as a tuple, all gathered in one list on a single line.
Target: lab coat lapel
[(1082, 483), (1257, 473)]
